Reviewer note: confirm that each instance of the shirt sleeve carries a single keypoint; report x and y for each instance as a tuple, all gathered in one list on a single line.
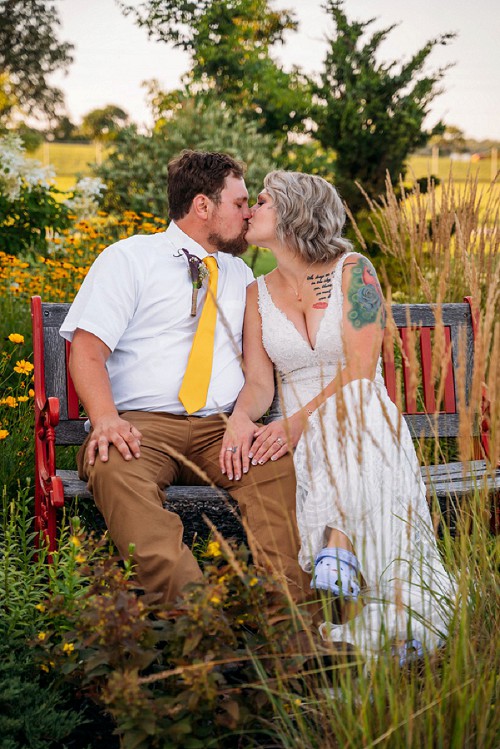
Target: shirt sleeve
[(106, 300)]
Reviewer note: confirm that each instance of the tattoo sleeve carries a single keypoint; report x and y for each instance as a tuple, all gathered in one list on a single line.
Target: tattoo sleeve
[(365, 296)]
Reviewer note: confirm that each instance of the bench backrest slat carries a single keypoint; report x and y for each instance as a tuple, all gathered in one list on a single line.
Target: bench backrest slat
[(458, 332)]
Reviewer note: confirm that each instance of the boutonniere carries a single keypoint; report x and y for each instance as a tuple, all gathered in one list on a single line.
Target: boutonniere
[(198, 271)]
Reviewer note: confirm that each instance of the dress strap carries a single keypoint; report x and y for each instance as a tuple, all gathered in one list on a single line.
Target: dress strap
[(337, 273), (263, 296)]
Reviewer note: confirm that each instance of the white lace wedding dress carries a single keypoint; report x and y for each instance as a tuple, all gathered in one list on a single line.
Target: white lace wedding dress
[(357, 471)]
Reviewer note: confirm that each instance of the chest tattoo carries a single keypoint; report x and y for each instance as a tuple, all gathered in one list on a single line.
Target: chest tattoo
[(322, 286)]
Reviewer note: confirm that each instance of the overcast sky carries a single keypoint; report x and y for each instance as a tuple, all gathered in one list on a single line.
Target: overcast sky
[(113, 56)]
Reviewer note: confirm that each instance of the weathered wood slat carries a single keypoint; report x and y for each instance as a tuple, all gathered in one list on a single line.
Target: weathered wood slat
[(448, 479), (71, 432), (191, 503)]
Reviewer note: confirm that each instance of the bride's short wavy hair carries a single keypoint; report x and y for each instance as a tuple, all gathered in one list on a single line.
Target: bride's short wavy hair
[(309, 215)]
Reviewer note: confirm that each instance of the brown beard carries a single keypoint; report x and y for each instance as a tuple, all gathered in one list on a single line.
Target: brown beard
[(236, 246)]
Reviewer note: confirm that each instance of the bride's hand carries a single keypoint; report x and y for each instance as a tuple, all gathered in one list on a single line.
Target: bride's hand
[(276, 439), (233, 456)]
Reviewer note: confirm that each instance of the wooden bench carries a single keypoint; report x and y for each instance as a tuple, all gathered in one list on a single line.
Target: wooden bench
[(58, 418)]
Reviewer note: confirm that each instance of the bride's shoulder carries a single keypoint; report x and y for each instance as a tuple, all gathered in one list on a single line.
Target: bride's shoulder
[(355, 260)]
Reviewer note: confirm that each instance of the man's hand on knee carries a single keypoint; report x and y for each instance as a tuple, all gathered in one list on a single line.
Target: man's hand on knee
[(113, 430)]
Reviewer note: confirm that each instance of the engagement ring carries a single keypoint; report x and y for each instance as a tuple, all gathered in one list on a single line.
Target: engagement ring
[(231, 449), (279, 440)]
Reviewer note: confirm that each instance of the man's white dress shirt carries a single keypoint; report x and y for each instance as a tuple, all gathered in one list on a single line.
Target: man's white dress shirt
[(137, 299)]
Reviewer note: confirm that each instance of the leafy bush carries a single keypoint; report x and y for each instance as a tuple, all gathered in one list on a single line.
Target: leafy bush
[(184, 677), (28, 208), (136, 170)]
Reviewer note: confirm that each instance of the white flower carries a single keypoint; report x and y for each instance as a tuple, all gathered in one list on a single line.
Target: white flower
[(87, 193), (17, 171)]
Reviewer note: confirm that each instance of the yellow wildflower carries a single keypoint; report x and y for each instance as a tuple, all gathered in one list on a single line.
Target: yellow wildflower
[(215, 599), (31, 393), (9, 401), (23, 367), (75, 541), (22, 398), (253, 581), (3, 434), (16, 338), (68, 647), (213, 549), (44, 667), (42, 636), (80, 558), (40, 607)]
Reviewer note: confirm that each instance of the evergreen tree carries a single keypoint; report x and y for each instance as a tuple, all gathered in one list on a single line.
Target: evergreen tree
[(372, 113)]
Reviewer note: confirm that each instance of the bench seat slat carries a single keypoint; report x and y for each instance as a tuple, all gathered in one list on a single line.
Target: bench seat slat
[(448, 479)]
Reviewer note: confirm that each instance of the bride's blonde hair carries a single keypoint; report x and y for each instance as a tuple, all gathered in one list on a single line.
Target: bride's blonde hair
[(309, 215)]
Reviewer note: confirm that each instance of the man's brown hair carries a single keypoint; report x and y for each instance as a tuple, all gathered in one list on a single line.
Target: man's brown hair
[(198, 172)]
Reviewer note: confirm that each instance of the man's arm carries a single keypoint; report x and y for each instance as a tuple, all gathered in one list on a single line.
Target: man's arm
[(88, 370)]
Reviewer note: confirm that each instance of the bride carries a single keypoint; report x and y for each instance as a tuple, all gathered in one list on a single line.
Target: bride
[(317, 320)]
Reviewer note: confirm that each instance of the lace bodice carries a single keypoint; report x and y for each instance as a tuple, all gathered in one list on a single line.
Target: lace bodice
[(304, 371)]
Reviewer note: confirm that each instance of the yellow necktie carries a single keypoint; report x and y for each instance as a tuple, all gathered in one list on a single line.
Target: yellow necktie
[(194, 388)]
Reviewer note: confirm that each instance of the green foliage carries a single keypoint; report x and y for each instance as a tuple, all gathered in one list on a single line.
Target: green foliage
[(35, 710), (103, 124), (63, 129), (371, 113), (136, 170), (24, 222), (30, 52), (32, 139), (182, 677), (229, 43)]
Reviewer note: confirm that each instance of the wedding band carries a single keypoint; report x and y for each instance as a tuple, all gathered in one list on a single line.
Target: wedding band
[(231, 449)]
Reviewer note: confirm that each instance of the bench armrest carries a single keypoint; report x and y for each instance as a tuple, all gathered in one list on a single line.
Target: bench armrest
[(49, 492)]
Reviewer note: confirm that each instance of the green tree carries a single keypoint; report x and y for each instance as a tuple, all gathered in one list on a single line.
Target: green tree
[(372, 113), (105, 123), (30, 52), (63, 129), (136, 171), (452, 139), (229, 42)]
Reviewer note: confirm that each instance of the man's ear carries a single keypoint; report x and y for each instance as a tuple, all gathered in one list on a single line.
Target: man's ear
[(201, 206)]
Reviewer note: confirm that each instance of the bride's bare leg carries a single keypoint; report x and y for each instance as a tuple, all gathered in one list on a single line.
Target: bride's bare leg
[(339, 540), (345, 610)]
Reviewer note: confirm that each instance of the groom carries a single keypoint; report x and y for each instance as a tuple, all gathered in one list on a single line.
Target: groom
[(155, 369)]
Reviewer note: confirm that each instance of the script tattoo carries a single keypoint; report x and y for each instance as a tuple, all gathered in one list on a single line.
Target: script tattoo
[(365, 296), (322, 287)]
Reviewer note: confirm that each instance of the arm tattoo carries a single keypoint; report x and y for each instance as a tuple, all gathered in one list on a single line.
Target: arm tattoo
[(365, 296), (322, 286)]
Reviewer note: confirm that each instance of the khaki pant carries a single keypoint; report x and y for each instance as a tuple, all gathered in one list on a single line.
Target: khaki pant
[(130, 496)]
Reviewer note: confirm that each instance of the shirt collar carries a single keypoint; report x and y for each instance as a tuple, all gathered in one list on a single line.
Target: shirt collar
[(181, 240)]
